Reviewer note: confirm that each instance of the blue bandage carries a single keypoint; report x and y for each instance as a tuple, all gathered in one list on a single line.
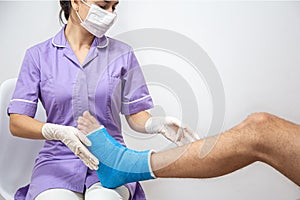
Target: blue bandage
[(118, 164)]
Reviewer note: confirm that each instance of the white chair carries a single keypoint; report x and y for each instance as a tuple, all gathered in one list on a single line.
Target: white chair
[(17, 155)]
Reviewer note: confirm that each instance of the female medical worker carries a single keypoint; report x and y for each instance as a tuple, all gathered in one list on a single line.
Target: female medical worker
[(81, 69)]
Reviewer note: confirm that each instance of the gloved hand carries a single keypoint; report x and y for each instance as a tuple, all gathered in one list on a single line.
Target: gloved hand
[(172, 129), (73, 139)]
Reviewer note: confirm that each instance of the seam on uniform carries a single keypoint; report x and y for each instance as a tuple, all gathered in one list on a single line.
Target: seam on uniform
[(23, 100), (137, 100)]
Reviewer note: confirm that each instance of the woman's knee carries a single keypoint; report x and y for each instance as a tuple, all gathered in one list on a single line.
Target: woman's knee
[(97, 191), (58, 193)]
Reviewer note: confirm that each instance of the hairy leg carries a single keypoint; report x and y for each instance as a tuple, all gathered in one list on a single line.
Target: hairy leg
[(261, 137), (281, 147)]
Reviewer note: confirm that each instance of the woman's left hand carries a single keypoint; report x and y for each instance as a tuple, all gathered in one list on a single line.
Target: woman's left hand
[(172, 129)]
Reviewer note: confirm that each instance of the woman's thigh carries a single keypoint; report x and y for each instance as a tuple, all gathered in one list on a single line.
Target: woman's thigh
[(59, 194), (97, 191)]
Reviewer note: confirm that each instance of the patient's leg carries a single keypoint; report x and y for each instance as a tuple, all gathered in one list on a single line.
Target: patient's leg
[(261, 137)]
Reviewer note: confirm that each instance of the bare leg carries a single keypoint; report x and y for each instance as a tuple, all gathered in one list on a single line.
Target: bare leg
[(261, 137)]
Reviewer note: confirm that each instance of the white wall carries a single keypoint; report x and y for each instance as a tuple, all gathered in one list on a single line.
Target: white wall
[(253, 45)]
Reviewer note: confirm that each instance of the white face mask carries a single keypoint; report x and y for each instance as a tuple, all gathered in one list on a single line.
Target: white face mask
[(98, 20)]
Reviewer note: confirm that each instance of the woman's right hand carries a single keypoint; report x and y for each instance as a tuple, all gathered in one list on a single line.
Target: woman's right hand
[(74, 139)]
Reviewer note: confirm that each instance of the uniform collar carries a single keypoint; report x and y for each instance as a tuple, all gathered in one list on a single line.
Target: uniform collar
[(60, 41), (102, 42)]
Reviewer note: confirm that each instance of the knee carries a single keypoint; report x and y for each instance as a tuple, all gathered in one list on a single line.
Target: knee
[(254, 122), (258, 125), (97, 191), (260, 118)]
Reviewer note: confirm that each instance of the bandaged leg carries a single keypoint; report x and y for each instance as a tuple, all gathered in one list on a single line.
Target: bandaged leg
[(261, 137), (118, 164)]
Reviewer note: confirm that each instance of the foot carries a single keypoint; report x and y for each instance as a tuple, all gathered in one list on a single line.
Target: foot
[(118, 164)]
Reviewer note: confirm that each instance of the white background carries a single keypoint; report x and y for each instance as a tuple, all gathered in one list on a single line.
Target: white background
[(255, 47)]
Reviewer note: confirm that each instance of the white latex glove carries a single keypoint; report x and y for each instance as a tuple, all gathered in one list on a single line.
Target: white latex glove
[(73, 139), (172, 129)]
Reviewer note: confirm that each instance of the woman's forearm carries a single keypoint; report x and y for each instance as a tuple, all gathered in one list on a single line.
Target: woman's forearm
[(25, 127), (137, 121)]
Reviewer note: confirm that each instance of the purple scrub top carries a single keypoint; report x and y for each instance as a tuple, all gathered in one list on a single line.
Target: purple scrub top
[(109, 82)]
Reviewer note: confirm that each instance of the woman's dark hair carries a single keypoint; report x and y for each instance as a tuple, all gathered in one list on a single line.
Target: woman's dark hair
[(65, 8)]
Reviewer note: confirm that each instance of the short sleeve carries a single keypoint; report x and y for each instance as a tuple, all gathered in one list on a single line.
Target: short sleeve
[(25, 96), (135, 93)]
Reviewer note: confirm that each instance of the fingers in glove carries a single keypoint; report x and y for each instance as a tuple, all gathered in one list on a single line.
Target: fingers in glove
[(181, 139), (87, 163), (82, 137), (173, 121), (75, 145), (86, 156), (187, 132), (185, 135), (92, 167), (192, 134)]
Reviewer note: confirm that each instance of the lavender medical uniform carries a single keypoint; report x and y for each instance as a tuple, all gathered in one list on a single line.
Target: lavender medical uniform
[(109, 82)]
